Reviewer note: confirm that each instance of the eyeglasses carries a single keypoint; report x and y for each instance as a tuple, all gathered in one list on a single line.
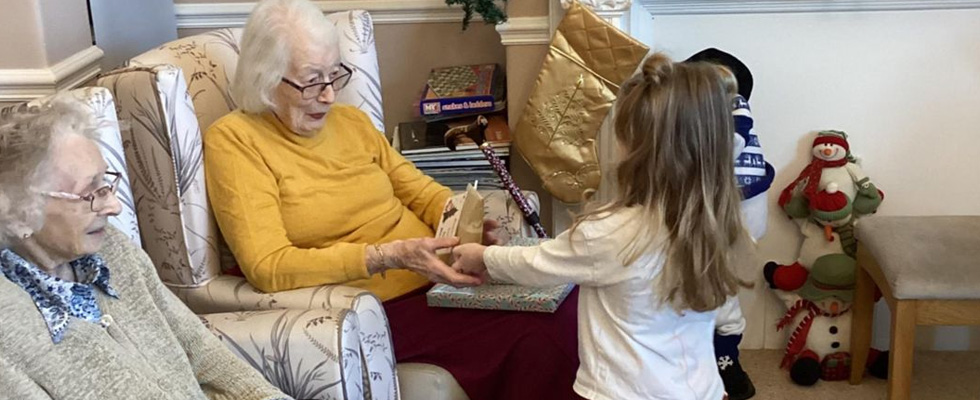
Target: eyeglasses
[(313, 91), (97, 199)]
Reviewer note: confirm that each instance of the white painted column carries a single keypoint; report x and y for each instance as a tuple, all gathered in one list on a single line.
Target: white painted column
[(47, 47)]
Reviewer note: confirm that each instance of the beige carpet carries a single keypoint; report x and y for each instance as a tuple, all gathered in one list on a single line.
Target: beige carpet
[(937, 376)]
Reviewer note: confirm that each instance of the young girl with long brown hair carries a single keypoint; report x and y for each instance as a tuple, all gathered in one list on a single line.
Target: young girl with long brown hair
[(654, 263)]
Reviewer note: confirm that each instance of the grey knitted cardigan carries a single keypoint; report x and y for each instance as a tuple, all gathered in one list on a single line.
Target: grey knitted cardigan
[(153, 348)]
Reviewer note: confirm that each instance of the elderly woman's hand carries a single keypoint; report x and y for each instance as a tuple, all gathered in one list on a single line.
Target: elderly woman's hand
[(419, 255)]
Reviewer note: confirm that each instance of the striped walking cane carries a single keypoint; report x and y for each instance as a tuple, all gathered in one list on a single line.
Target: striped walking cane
[(475, 131)]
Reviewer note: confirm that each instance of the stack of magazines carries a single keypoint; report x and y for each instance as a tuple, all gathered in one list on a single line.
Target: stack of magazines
[(465, 165), (455, 96)]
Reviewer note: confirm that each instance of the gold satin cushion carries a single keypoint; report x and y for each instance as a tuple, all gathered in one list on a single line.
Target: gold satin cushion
[(587, 61)]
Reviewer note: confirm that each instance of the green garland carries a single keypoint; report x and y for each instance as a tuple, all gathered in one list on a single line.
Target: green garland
[(491, 13)]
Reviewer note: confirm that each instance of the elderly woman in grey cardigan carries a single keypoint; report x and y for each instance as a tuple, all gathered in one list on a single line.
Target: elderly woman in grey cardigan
[(82, 312)]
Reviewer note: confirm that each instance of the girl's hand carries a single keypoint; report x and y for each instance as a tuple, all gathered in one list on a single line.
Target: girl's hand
[(419, 256), (469, 260)]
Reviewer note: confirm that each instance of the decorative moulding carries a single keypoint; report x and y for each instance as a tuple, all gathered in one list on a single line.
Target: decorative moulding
[(691, 7), (617, 12), (538, 30), (224, 15), (600, 5), (524, 31), (17, 85)]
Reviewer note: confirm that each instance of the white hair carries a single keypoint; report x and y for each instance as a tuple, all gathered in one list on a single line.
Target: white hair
[(26, 137), (266, 48)]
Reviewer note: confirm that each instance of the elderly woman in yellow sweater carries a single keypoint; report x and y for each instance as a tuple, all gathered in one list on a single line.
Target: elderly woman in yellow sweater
[(83, 314), (303, 189), (307, 192)]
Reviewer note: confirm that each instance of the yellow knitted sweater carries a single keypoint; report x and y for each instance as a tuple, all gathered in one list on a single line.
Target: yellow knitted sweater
[(300, 211)]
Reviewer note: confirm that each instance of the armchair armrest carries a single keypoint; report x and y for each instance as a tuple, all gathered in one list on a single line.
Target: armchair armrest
[(308, 354), (227, 293)]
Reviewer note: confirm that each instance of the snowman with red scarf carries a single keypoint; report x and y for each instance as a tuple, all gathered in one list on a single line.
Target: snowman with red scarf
[(825, 201), (831, 162), (818, 290)]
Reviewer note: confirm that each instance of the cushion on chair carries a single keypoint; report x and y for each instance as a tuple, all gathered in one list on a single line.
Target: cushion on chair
[(926, 257), (357, 50), (100, 102)]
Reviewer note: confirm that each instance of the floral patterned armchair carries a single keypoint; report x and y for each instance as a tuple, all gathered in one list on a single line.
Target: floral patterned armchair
[(327, 342)]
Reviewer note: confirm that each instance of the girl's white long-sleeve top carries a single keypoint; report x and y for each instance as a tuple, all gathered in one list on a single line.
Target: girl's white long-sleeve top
[(630, 345)]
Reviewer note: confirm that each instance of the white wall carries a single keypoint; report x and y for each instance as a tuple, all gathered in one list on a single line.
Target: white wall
[(20, 36), (66, 28), (45, 45), (905, 85)]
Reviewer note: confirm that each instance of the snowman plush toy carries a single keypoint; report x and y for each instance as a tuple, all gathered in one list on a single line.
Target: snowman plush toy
[(825, 201), (818, 290), (831, 162)]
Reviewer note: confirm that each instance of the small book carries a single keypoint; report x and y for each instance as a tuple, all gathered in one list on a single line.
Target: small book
[(463, 90)]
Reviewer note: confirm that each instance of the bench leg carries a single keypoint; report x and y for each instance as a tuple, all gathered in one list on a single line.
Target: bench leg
[(861, 320), (903, 344)]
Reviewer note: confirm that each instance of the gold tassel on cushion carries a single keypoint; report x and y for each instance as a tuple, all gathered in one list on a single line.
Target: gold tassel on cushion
[(587, 61)]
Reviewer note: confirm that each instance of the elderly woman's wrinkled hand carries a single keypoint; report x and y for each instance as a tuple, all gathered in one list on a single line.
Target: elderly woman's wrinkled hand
[(419, 255), (469, 260)]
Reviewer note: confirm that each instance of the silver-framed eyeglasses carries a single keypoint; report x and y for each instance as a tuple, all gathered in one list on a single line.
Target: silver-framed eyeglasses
[(313, 90), (98, 198)]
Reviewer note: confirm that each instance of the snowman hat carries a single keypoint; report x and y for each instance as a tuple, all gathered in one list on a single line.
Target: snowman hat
[(832, 137), (830, 205), (832, 275), (742, 74)]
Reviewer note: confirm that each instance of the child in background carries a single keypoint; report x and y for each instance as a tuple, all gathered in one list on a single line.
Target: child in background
[(754, 177), (656, 262)]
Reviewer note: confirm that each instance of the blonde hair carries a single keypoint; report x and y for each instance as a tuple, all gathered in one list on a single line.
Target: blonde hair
[(26, 135), (267, 45), (674, 123)]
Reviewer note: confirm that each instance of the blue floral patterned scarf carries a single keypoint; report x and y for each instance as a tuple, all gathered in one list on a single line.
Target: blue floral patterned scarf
[(56, 298)]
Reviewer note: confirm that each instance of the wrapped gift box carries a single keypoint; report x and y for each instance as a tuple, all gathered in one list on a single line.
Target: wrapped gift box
[(497, 296)]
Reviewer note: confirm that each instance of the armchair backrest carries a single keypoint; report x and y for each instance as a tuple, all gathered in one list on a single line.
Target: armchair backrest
[(174, 93)]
